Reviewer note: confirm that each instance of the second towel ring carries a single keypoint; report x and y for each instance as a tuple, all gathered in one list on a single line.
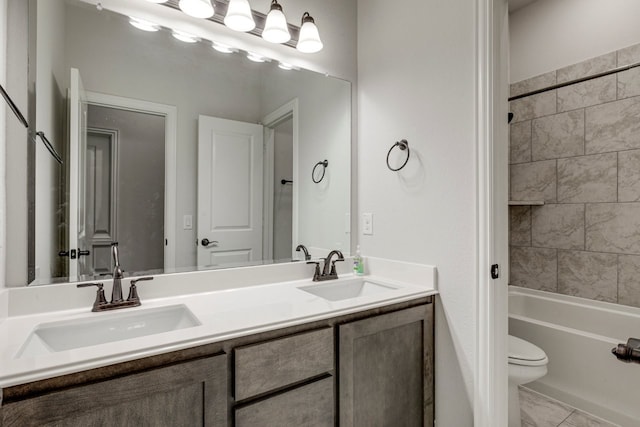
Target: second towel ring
[(403, 145), (324, 165)]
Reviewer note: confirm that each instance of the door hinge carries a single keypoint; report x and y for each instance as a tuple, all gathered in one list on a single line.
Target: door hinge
[(495, 271)]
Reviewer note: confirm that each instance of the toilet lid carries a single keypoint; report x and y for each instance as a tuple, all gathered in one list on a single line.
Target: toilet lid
[(522, 352)]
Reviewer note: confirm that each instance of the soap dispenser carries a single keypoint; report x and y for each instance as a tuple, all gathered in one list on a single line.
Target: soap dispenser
[(358, 265)]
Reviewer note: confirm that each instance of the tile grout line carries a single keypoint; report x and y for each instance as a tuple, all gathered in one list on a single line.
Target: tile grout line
[(572, 412)]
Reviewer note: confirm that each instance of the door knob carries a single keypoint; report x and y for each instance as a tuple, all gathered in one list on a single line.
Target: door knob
[(206, 242)]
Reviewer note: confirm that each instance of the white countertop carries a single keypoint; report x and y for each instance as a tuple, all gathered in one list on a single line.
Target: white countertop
[(223, 314)]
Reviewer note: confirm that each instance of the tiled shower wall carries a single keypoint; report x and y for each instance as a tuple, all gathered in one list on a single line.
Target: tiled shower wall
[(577, 148)]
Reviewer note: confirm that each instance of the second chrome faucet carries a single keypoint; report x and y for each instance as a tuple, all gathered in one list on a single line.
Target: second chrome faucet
[(328, 269)]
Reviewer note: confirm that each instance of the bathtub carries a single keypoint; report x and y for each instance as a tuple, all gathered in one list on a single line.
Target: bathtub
[(578, 334)]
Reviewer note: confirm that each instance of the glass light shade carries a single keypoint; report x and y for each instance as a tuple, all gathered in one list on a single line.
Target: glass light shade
[(309, 38), (197, 8), (285, 66), (223, 48), (143, 25), (275, 29), (239, 17), (255, 57), (184, 37), (157, 1)]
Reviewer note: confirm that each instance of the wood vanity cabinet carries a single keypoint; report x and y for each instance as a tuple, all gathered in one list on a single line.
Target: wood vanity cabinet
[(184, 394), (371, 368)]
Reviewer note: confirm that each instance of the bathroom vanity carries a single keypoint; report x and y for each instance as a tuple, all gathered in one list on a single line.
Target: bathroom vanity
[(299, 359)]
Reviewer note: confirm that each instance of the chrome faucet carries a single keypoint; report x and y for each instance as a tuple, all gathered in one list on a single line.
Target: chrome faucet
[(116, 292), (328, 269), (303, 248), (133, 300)]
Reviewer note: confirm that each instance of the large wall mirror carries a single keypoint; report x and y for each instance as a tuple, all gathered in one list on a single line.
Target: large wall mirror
[(189, 158)]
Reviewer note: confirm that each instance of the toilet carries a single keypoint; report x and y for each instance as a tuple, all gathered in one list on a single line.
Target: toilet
[(527, 363)]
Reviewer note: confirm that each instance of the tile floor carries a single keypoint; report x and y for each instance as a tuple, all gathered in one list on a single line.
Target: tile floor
[(540, 411)]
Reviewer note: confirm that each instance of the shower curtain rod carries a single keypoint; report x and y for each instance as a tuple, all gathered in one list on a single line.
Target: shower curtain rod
[(572, 82)]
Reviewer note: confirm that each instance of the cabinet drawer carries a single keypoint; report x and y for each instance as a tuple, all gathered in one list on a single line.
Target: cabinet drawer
[(263, 367), (309, 405)]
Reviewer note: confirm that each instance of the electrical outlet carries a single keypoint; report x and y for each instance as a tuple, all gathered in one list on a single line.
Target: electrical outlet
[(187, 222), (367, 223)]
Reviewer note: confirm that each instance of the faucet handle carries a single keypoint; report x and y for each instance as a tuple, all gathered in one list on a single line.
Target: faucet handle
[(316, 274), (133, 290), (100, 298), (333, 265)]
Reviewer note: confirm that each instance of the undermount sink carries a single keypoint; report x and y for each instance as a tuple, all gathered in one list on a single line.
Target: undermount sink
[(346, 290), (64, 335)]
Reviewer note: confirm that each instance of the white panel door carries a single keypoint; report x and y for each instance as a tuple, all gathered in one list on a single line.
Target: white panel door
[(230, 191), (78, 111)]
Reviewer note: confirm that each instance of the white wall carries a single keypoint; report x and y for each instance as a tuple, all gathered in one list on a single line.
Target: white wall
[(416, 71), (551, 34), (50, 116)]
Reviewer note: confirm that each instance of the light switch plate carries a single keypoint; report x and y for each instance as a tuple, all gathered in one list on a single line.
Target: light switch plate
[(187, 222), (367, 223)]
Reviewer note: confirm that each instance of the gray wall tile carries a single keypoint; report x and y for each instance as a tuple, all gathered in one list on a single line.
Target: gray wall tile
[(585, 94), (533, 106), (534, 83), (629, 55), (629, 176), (560, 135), (558, 226), (613, 127), (613, 227), (588, 275), (520, 142), (588, 178), (628, 280), (629, 83), (534, 268), (582, 419), (534, 181), (520, 225), (587, 68)]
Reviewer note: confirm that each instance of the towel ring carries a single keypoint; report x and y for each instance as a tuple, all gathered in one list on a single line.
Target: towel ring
[(324, 165), (403, 145)]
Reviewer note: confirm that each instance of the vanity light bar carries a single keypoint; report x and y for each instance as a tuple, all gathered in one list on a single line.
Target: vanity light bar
[(260, 19)]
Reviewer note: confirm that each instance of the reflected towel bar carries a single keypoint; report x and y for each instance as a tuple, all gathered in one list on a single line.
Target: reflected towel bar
[(24, 122)]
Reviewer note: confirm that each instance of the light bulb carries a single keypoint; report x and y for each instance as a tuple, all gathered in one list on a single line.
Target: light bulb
[(286, 66), (197, 8), (223, 48), (239, 17), (275, 28), (256, 58), (309, 39), (184, 37), (143, 25)]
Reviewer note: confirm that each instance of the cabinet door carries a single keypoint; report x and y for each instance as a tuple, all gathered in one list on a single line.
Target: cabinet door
[(185, 394), (386, 369)]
